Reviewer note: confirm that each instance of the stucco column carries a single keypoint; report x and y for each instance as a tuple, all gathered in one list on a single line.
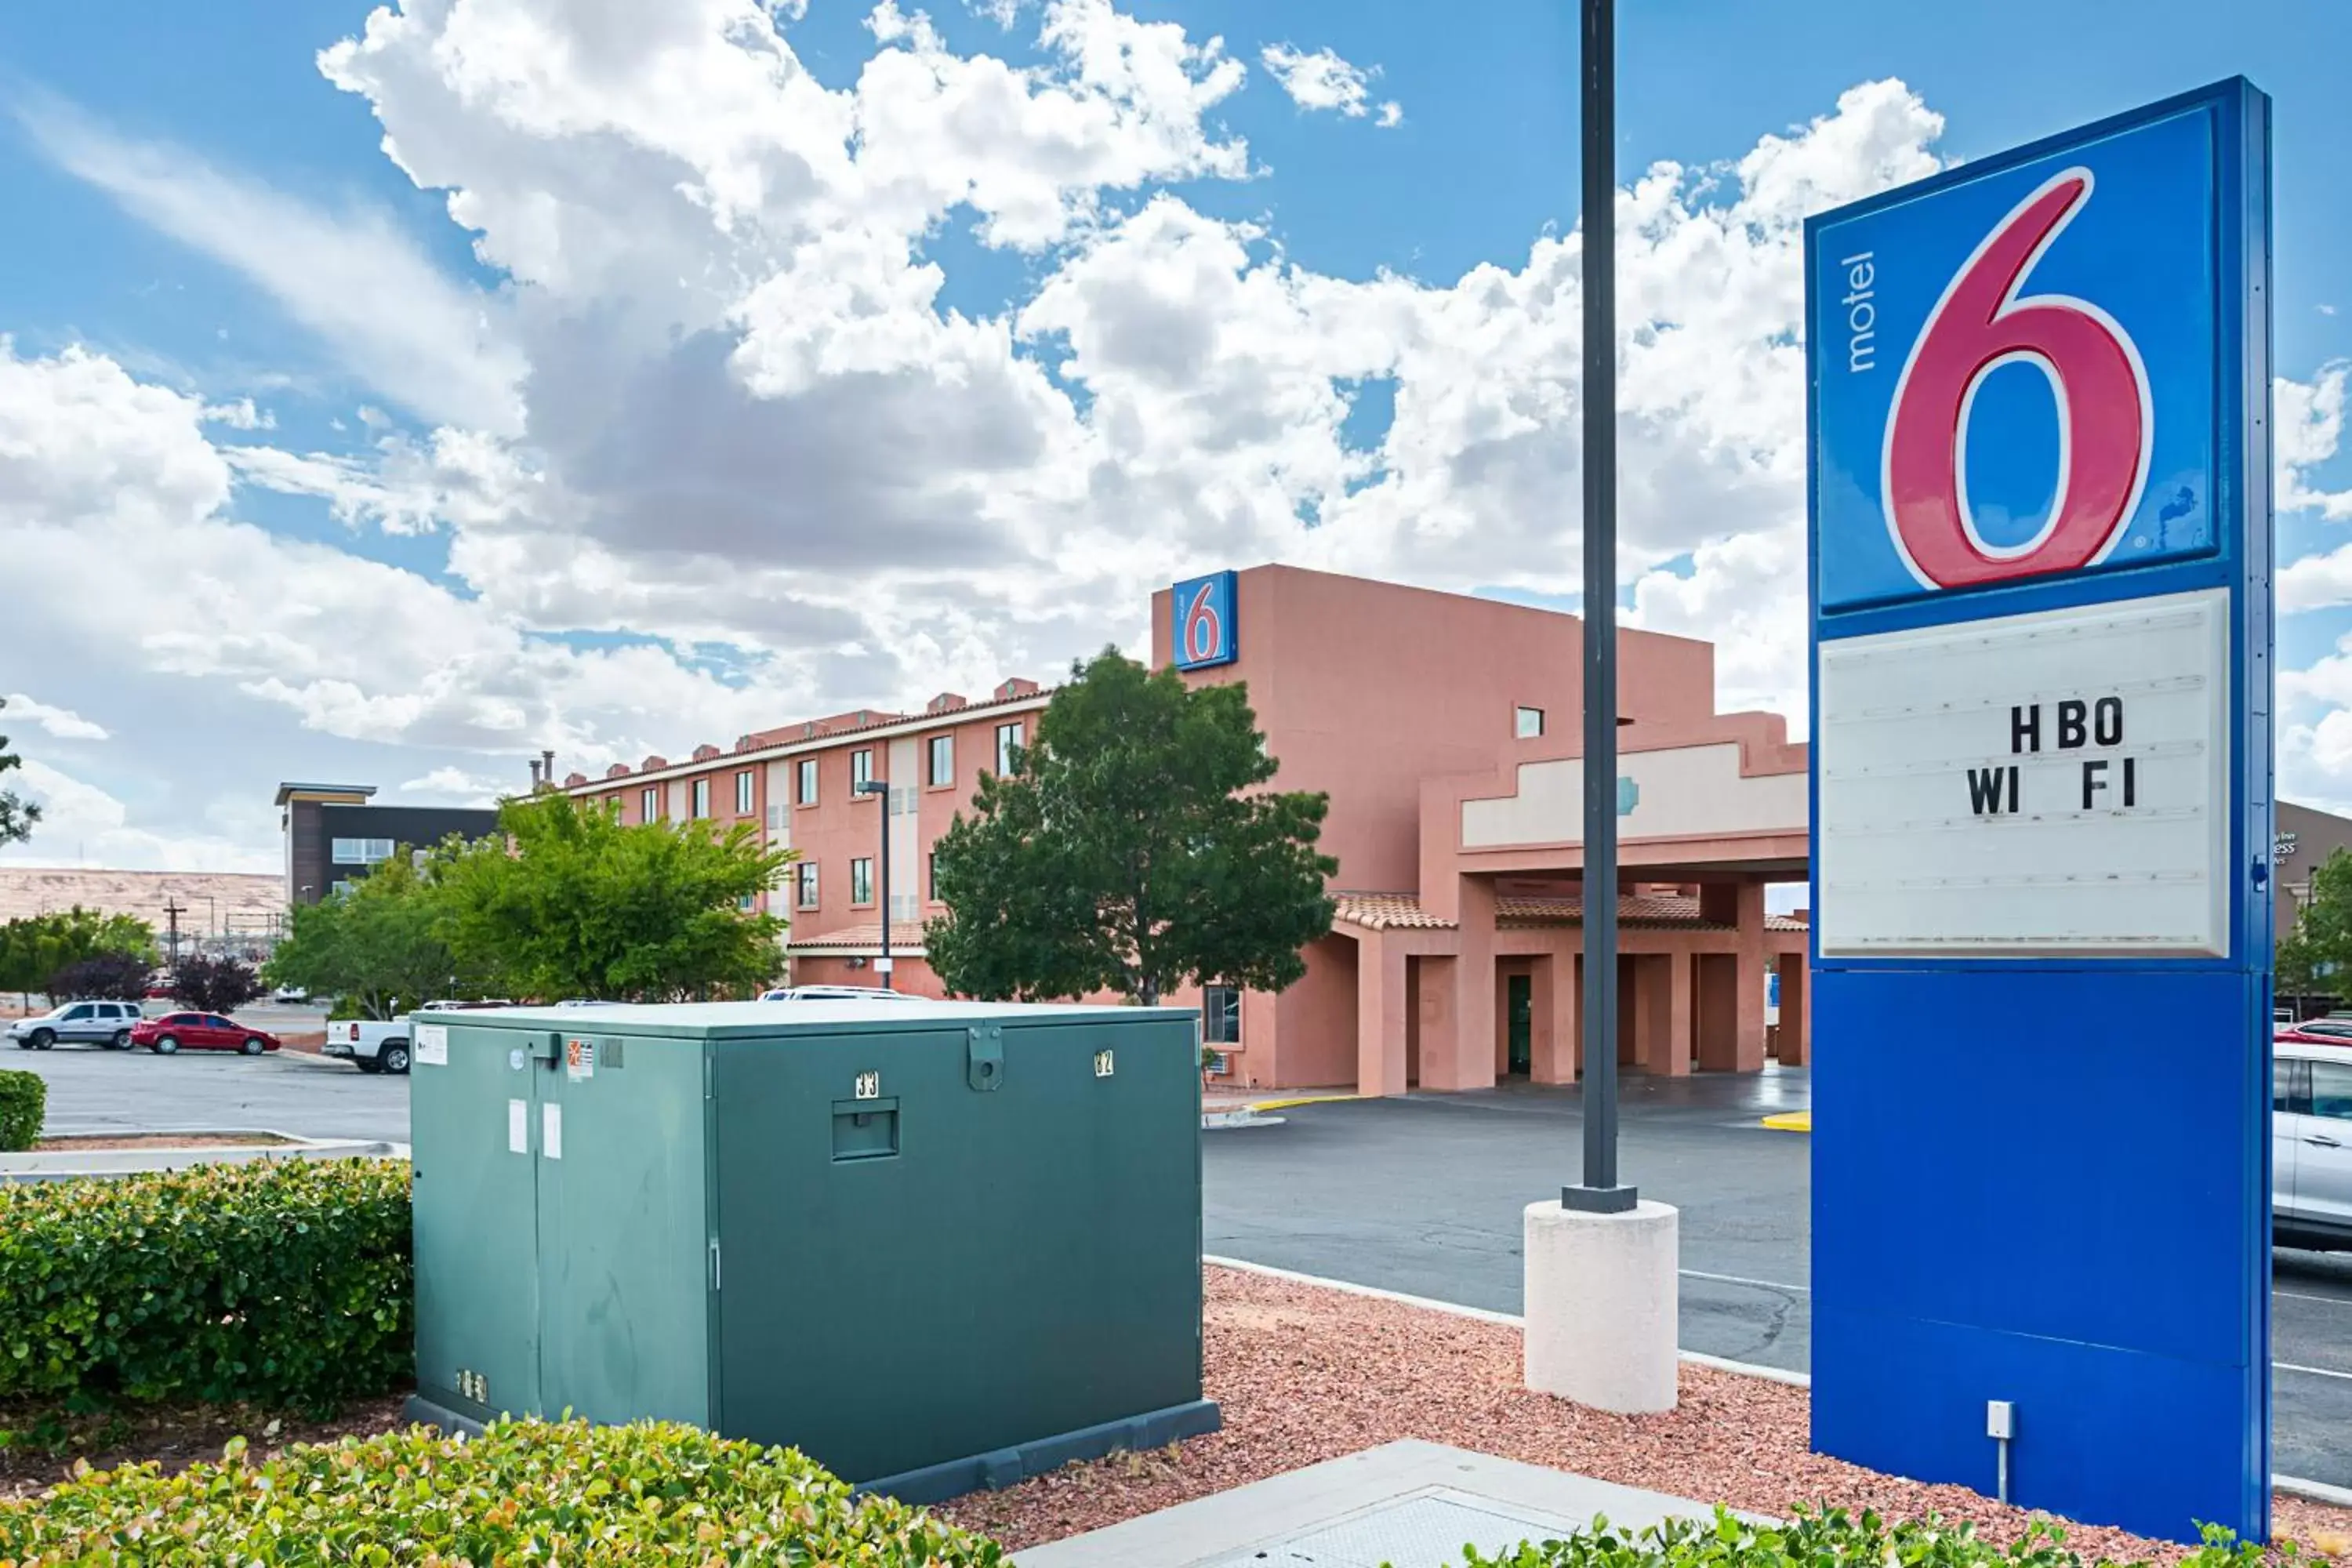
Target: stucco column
[(1796, 1013), (1457, 1012), (1662, 1014), (1556, 995), (1749, 1048), (1380, 1016)]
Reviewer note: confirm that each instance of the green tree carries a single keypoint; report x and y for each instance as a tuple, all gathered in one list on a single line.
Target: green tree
[(1133, 850), (2318, 951), (570, 902), (17, 815), (35, 947), (376, 949)]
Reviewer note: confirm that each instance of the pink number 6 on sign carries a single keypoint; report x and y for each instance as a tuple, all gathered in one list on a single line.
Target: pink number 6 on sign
[(2106, 417), (1203, 634)]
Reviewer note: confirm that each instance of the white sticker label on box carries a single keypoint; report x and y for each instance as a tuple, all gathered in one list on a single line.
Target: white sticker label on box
[(579, 1059), (550, 1132), (517, 1127), (432, 1045)]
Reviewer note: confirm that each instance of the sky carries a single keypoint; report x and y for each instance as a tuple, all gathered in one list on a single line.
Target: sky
[(387, 394)]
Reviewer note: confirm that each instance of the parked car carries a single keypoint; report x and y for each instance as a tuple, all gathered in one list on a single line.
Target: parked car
[(838, 994), (2315, 1032), (382, 1045), (108, 1023), (176, 1032), (290, 994), (2311, 1144)]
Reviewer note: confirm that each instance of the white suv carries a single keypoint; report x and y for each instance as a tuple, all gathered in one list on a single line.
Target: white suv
[(104, 1023)]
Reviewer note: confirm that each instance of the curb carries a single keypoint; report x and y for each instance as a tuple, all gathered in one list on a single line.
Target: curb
[(2288, 1486), (1302, 1099), (1791, 1121)]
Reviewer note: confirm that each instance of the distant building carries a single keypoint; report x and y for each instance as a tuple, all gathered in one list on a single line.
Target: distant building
[(334, 834)]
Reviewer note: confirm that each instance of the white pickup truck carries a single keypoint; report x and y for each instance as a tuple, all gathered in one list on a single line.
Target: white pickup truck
[(375, 1046)]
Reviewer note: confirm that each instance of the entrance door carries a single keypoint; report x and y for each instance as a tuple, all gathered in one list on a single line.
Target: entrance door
[(1522, 995)]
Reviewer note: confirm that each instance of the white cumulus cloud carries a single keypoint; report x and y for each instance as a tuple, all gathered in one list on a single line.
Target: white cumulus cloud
[(63, 724), (1320, 79)]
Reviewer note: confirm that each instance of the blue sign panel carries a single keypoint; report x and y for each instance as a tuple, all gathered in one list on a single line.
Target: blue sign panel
[(2015, 375), (2042, 816), (1204, 632)]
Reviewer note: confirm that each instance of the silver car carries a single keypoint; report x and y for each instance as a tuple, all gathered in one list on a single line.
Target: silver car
[(2311, 1145), (838, 994), (88, 1023)]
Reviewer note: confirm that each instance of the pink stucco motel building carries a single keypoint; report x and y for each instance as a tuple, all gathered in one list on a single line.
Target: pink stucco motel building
[(1445, 730)]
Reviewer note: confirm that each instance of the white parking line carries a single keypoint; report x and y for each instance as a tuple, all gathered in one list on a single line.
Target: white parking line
[(1742, 1279), (2307, 1296), (2313, 1371)]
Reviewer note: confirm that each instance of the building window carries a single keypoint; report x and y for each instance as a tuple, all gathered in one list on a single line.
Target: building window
[(340, 888), (806, 870), (942, 760), (1221, 1016), (807, 796), (1530, 723), (746, 902), (701, 799), (1008, 741), (931, 874), (861, 881), (744, 804), (861, 768), (649, 805), (359, 851), (613, 806)]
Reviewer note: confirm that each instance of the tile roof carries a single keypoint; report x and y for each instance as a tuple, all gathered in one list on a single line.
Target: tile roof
[(906, 940), (1395, 911), (1387, 912)]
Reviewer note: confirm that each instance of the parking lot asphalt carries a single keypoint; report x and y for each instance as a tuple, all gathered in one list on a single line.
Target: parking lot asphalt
[(96, 1090), (1424, 1194)]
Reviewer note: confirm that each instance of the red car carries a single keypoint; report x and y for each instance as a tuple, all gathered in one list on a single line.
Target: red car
[(200, 1032), (2315, 1032)]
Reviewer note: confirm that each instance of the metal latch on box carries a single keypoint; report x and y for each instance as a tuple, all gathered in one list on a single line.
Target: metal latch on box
[(983, 1056)]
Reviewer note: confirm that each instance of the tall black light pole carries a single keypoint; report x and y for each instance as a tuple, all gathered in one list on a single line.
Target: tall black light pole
[(1600, 1193), (881, 788)]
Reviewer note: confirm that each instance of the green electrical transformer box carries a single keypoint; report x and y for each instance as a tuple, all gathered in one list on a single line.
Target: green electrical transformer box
[(935, 1246)]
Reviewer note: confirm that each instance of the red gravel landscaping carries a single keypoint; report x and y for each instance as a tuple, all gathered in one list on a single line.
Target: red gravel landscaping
[(1306, 1374)]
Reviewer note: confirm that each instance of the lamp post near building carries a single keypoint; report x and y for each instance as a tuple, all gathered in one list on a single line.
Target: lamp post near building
[(880, 790), (1600, 1283)]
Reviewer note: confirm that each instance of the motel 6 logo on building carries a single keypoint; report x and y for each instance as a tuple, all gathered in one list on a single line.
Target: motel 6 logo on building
[(2016, 379), (1204, 629)]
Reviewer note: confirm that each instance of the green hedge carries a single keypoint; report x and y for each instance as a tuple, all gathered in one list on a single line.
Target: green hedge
[(280, 1282), (24, 1106), (524, 1492), (1830, 1538)]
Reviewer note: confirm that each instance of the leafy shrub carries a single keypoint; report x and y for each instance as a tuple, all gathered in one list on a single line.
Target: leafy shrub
[(24, 1106), (280, 1282), (214, 984), (526, 1491), (105, 977), (1831, 1537)]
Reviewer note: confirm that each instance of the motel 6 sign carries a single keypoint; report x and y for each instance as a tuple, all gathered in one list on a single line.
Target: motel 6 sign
[(2040, 458), (1205, 633)]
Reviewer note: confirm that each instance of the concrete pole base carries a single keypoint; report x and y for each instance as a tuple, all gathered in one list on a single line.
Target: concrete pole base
[(1602, 1293)]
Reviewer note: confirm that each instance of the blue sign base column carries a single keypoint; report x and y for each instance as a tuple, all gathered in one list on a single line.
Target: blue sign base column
[(2034, 1188)]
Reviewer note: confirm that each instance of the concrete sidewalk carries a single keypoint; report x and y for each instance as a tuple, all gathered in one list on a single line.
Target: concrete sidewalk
[(1411, 1504)]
